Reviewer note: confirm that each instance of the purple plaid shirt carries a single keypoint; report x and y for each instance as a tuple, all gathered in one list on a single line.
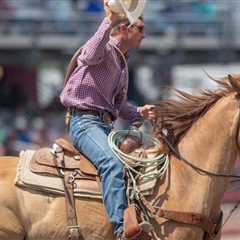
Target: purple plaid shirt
[(100, 82)]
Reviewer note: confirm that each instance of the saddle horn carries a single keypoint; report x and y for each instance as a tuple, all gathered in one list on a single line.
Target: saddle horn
[(132, 9)]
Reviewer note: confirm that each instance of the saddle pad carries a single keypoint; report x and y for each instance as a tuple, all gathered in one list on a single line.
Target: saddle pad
[(26, 178)]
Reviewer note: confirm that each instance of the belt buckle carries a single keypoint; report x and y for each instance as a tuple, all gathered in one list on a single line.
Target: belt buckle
[(106, 117)]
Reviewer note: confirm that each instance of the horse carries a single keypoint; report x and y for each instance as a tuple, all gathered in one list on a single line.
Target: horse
[(205, 131)]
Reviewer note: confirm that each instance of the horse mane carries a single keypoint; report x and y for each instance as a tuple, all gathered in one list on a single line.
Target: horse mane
[(177, 116)]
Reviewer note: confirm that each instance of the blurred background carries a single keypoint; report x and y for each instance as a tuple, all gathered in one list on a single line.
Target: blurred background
[(184, 40)]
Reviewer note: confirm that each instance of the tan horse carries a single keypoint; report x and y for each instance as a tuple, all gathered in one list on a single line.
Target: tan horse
[(206, 132)]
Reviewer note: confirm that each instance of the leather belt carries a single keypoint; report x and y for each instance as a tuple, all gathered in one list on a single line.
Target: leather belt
[(105, 116)]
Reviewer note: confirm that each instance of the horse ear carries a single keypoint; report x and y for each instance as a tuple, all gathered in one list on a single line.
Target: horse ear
[(235, 82)]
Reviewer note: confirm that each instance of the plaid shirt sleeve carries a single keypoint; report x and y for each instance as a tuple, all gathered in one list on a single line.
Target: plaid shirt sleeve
[(94, 49), (129, 112)]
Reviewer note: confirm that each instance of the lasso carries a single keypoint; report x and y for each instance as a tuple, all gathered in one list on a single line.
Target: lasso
[(139, 167)]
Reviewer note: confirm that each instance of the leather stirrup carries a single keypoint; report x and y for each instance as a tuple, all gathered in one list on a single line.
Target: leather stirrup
[(130, 226)]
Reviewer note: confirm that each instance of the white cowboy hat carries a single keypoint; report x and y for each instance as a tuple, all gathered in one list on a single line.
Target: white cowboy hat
[(132, 9)]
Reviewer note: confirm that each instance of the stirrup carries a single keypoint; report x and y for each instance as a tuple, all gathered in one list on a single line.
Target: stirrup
[(145, 229)]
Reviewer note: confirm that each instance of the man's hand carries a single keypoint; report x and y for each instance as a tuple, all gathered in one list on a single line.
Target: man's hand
[(148, 112), (108, 13)]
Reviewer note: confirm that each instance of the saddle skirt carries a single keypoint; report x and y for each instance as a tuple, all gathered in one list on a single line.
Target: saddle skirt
[(43, 170)]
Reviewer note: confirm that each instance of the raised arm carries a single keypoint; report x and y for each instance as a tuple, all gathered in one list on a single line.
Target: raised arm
[(95, 48)]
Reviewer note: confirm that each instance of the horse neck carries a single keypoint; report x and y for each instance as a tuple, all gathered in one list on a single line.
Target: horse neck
[(210, 144)]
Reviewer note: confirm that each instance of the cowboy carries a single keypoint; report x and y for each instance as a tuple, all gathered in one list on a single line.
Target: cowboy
[(96, 92)]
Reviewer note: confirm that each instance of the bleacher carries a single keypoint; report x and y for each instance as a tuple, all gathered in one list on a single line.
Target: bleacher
[(63, 23)]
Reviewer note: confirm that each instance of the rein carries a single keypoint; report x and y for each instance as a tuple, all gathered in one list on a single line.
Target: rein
[(198, 169)]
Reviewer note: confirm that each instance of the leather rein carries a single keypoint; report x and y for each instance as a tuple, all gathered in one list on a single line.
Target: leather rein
[(198, 169)]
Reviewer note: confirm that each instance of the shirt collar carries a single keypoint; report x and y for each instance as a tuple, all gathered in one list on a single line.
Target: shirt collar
[(116, 42)]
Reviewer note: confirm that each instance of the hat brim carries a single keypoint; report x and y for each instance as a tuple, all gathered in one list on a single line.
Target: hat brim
[(133, 15)]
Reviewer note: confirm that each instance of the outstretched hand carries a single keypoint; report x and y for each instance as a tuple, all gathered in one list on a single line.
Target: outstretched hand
[(112, 16), (148, 112)]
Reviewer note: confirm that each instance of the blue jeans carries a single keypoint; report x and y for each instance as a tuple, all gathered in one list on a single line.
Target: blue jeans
[(90, 135)]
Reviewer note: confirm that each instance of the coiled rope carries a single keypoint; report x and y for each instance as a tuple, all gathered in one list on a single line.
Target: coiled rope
[(147, 169)]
